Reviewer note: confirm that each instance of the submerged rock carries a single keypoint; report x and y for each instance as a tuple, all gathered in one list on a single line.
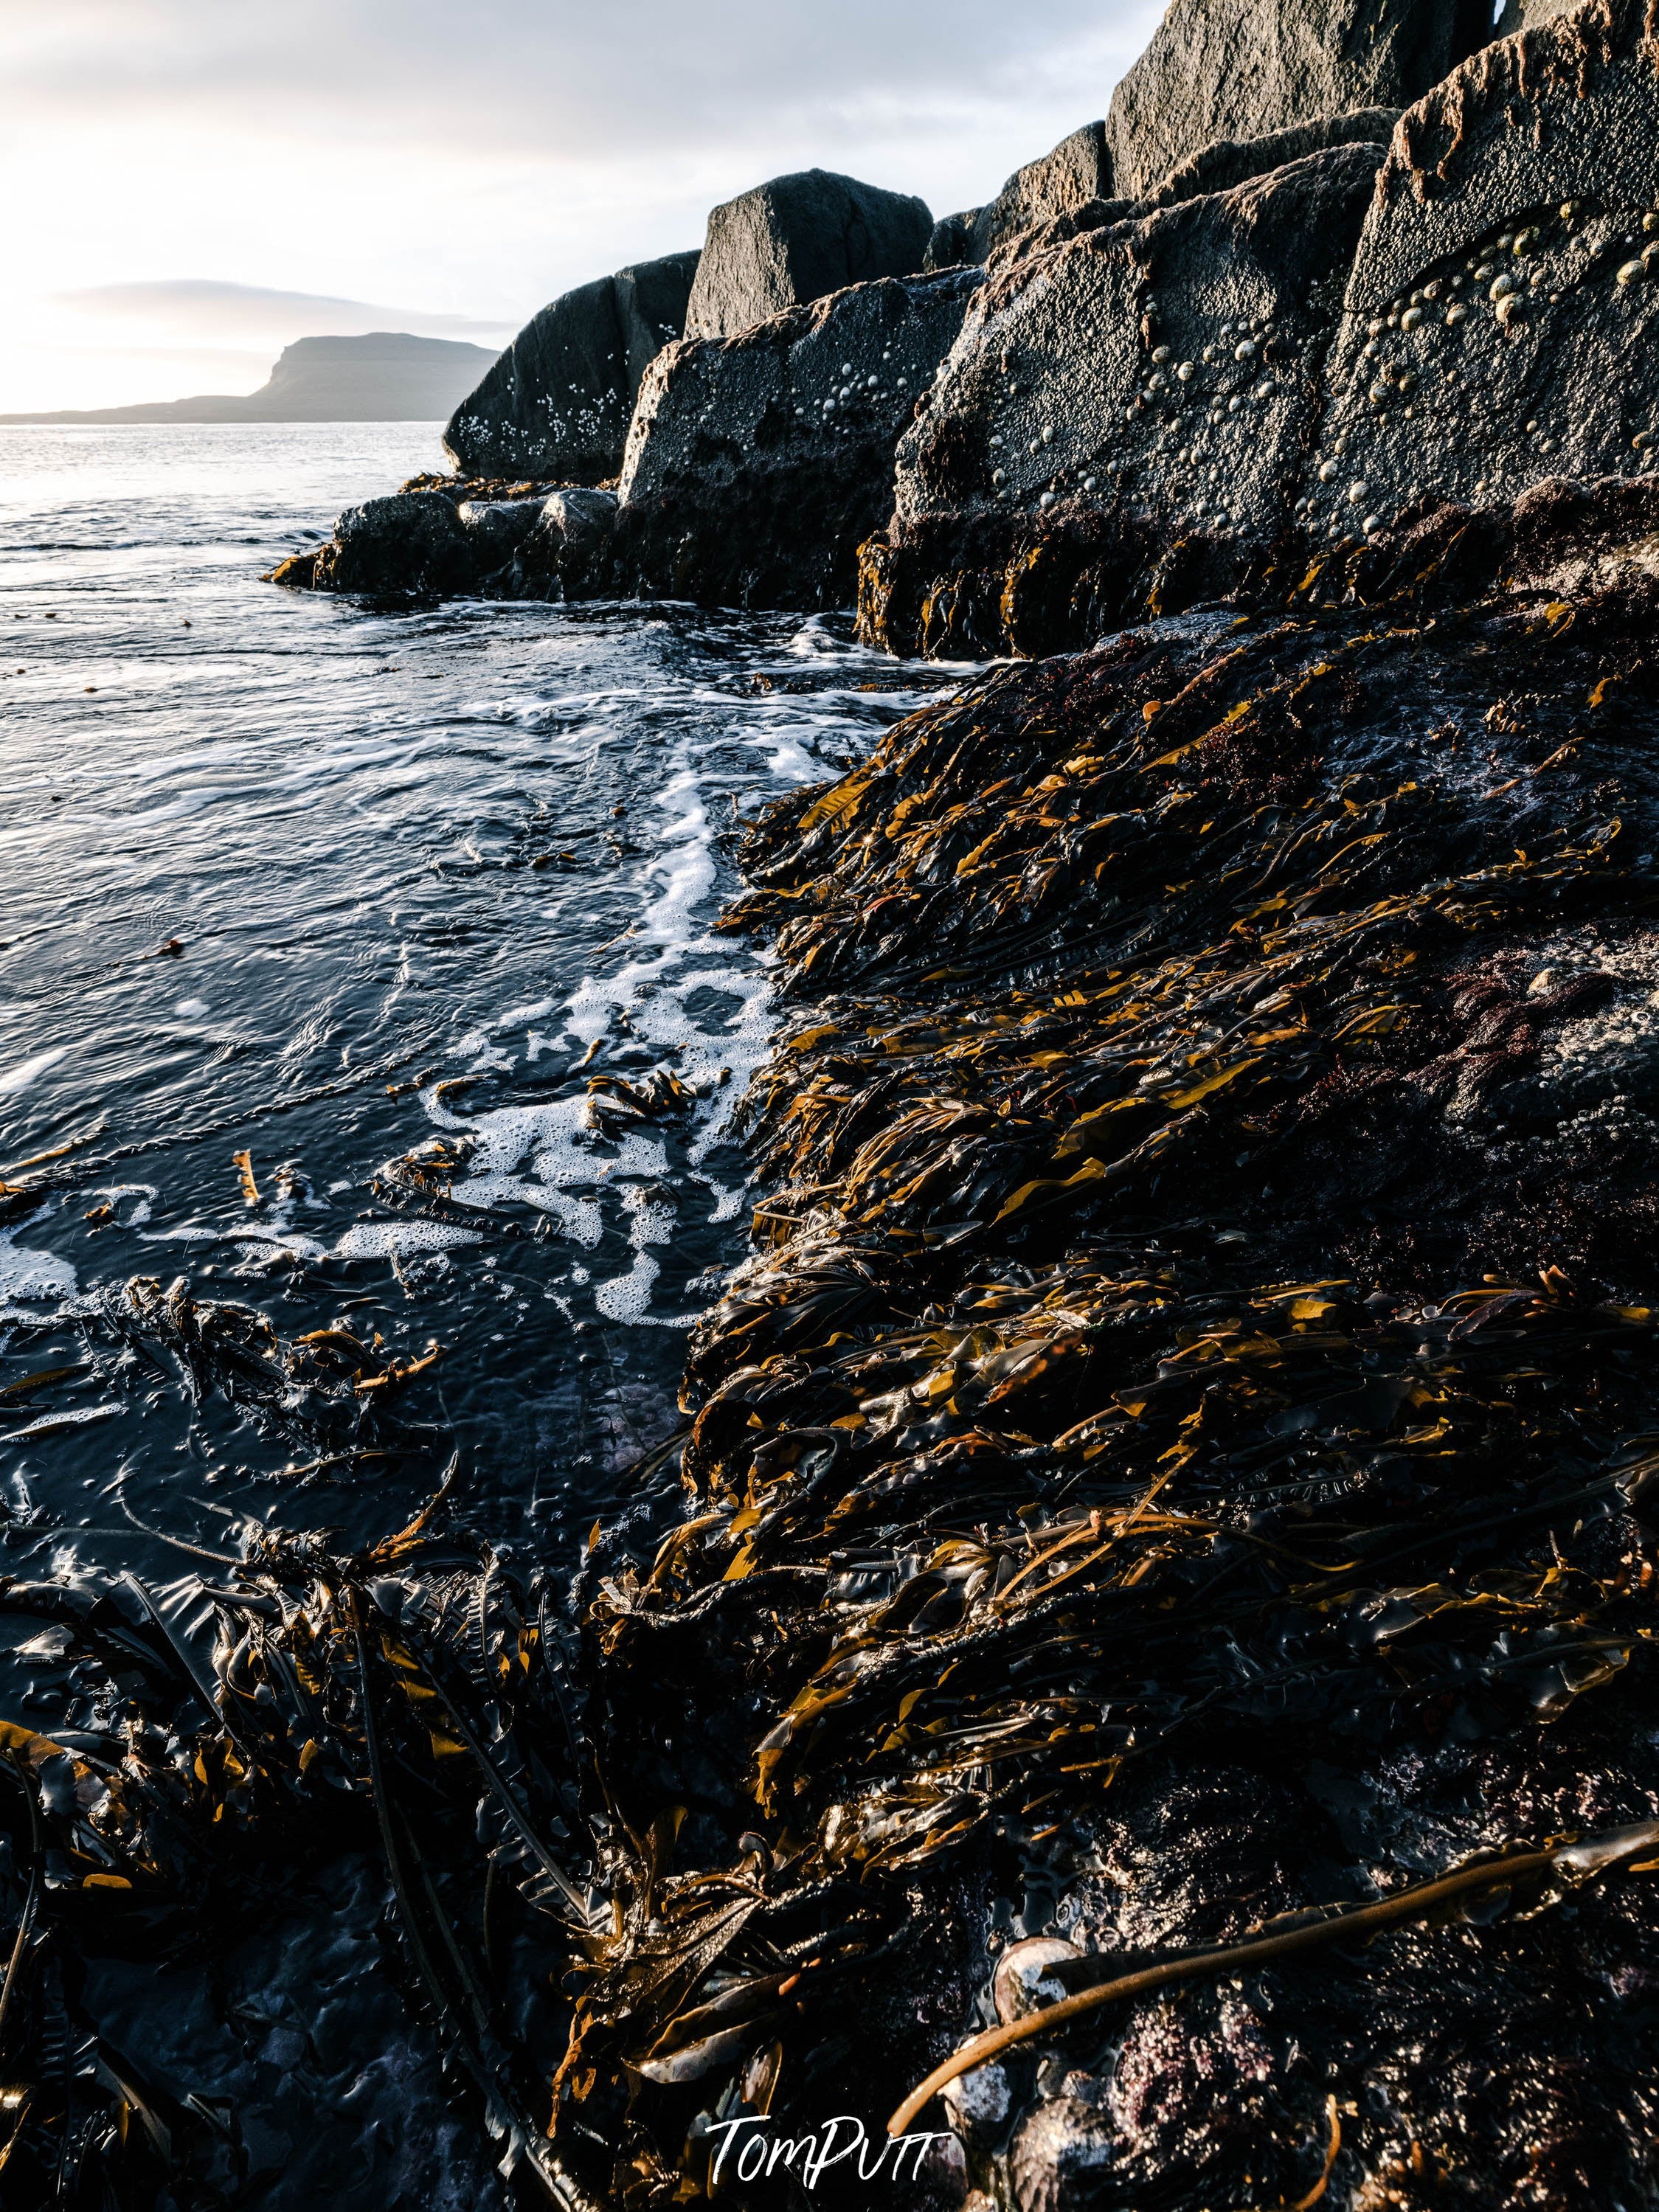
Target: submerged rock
[(557, 403), (1134, 403), (756, 465), (1233, 68), (1501, 324), (797, 239)]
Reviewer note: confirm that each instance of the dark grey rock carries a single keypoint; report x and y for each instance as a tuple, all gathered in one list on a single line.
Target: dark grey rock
[(411, 542), (952, 244), (1232, 162), (1080, 169), (1171, 366), (582, 519), (497, 527), (757, 465), (1532, 175), (557, 403), (1218, 169), (1240, 68), (651, 298), (796, 240)]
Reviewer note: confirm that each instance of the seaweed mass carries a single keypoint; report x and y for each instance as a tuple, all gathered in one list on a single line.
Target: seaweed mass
[(1138, 1665)]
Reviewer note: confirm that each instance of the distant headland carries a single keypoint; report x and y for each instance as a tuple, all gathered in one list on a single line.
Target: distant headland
[(385, 376)]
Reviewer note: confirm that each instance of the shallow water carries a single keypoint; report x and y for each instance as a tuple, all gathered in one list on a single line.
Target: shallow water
[(275, 872)]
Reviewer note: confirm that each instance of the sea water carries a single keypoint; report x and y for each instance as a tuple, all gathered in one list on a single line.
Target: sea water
[(314, 882)]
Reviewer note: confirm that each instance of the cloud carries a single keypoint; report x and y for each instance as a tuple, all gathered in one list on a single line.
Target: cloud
[(327, 154), (205, 309), (561, 80)]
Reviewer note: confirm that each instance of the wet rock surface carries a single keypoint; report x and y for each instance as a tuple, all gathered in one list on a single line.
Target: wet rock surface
[(757, 466), (557, 403), (1151, 386), (1236, 68), (796, 239), (1502, 316)]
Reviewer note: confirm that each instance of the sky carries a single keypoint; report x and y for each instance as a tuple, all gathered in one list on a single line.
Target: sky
[(193, 183)]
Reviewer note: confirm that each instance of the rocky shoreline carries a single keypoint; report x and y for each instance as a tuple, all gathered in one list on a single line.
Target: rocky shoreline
[(1180, 1463)]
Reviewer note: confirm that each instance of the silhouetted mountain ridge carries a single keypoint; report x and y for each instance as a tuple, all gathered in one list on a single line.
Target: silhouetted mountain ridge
[(385, 376)]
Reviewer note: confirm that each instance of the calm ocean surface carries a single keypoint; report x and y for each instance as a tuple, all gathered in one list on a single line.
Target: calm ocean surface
[(275, 873)]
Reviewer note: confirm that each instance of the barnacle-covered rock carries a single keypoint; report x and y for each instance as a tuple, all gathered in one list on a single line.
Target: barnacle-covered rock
[(1218, 69), (1502, 321), (1121, 418), (556, 402), (757, 465)]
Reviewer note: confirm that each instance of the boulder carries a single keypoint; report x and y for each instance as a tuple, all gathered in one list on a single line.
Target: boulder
[(1229, 162), (411, 542), (952, 245), (557, 403), (1079, 170), (1501, 324), (1232, 162), (757, 465), (651, 298), (796, 240), (1229, 69), (495, 528), (1121, 420)]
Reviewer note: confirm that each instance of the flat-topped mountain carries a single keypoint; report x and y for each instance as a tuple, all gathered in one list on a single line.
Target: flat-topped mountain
[(386, 376)]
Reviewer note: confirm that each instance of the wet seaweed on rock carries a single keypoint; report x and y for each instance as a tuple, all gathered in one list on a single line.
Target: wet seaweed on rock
[(1179, 1448), (1184, 1453)]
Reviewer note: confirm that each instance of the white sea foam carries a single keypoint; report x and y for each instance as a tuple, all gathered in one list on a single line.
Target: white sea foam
[(30, 1274), (23, 1072), (380, 1239)]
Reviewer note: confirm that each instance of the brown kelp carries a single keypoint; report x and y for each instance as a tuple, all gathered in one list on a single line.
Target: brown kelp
[(1172, 1494), (1178, 1455)]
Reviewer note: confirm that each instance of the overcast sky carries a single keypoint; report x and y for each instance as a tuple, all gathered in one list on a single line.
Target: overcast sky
[(192, 183)]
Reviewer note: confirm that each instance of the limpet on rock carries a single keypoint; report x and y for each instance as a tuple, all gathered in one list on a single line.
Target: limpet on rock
[(1022, 1983), (1160, 355), (1356, 493), (1327, 471), (1185, 371), (1457, 313)]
